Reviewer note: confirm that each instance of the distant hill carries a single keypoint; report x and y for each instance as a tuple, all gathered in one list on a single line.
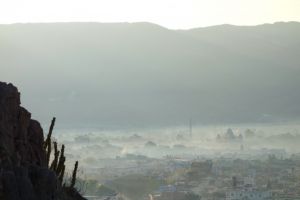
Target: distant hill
[(142, 74)]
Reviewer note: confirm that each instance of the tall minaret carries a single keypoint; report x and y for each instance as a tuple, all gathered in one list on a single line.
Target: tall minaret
[(191, 128)]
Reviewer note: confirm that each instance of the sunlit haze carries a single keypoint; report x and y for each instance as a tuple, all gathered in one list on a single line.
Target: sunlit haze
[(149, 99), (174, 14)]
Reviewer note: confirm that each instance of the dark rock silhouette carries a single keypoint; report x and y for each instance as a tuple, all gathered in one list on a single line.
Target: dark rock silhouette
[(24, 172)]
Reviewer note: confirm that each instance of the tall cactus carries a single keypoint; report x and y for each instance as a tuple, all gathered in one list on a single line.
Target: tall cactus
[(47, 143), (55, 159), (58, 162), (61, 175), (61, 162), (74, 175)]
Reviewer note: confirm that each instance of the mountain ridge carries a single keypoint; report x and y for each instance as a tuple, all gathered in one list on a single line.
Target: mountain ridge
[(152, 24), (139, 74)]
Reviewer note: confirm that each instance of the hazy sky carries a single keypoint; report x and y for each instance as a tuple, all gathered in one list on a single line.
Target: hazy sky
[(169, 13)]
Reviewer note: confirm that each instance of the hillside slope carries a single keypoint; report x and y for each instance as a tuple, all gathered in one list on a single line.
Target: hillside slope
[(142, 74)]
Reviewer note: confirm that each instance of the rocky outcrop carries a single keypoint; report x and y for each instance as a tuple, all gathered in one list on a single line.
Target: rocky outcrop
[(24, 172)]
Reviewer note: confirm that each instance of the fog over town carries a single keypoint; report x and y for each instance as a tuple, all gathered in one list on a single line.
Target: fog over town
[(198, 159), (150, 111)]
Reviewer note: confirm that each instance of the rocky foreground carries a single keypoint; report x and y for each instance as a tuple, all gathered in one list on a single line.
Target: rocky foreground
[(24, 171)]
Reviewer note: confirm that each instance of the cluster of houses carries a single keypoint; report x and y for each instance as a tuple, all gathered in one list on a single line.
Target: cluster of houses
[(271, 179)]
